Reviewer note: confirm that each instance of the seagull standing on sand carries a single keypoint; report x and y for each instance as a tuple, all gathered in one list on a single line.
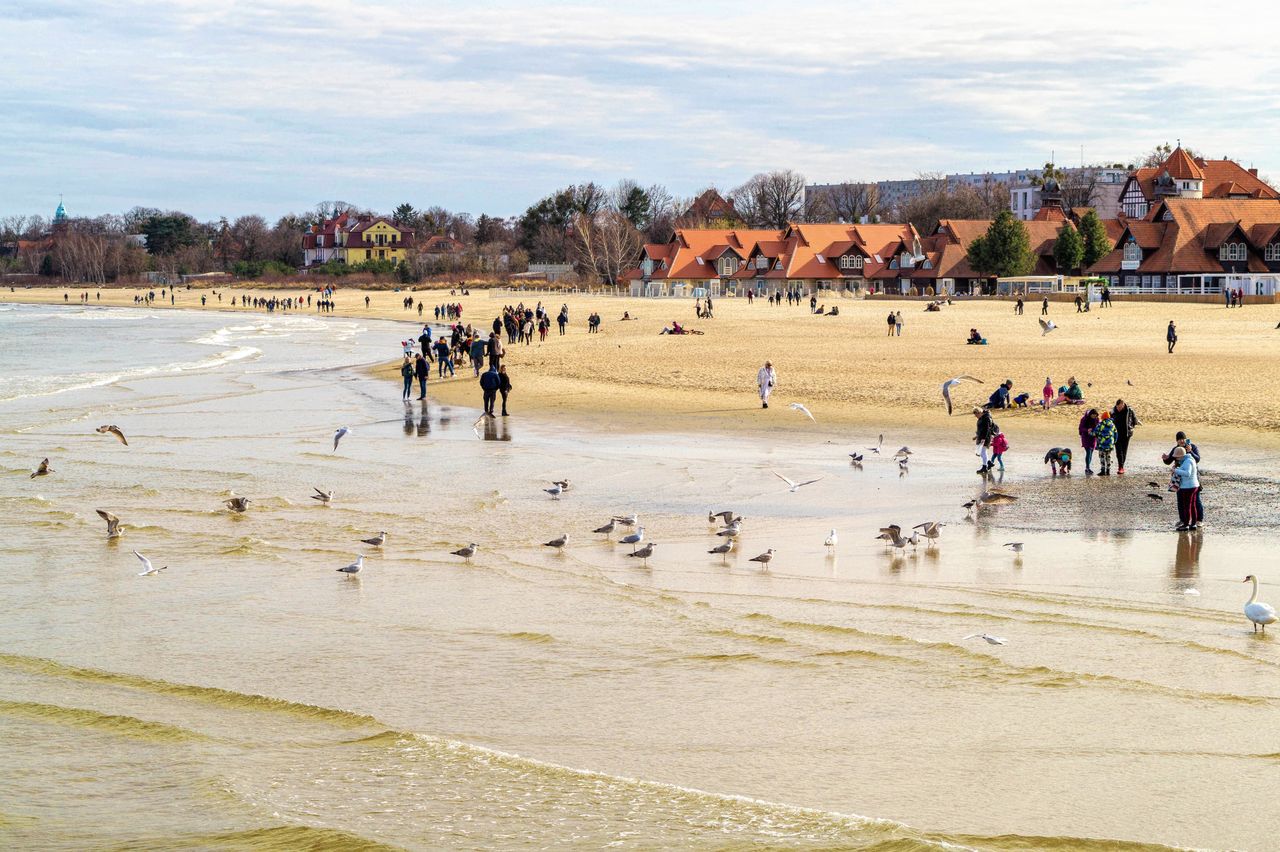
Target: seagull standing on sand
[(148, 570), (644, 553), (931, 530), (557, 543), (354, 567), (956, 382), (112, 430), (857, 457), (325, 497), (607, 528), (113, 524), (563, 483), (793, 485), (341, 433), (1255, 610), (986, 637), (799, 406), (832, 541), (555, 491), (633, 539), (42, 470), (764, 558), (468, 551), (723, 550), (378, 540)]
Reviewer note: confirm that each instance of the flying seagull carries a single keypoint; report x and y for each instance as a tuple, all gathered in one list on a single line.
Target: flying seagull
[(341, 433), (931, 530), (236, 504), (793, 485), (148, 569), (956, 382), (112, 430), (633, 539), (42, 470), (563, 483), (799, 406), (325, 497), (468, 551), (378, 540), (902, 463), (626, 520), (903, 452), (354, 567), (723, 550), (644, 553), (555, 491), (988, 638), (1015, 546), (879, 444), (113, 523), (1046, 326), (557, 542), (764, 558), (725, 516)]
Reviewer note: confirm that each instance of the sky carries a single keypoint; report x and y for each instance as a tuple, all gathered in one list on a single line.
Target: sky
[(225, 108)]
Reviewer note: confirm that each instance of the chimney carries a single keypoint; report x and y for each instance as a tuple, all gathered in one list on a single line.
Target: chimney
[(1253, 172)]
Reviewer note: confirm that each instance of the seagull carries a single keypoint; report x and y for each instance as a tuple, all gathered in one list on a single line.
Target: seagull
[(555, 491), (236, 504), (42, 470), (113, 523), (956, 382), (931, 530), (112, 430), (988, 638), (342, 432), (557, 542), (633, 539), (378, 540), (971, 505), (607, 528), (857, 457), (1129, 383), (1257, 611), (795, 486), (726, 516), (148, 569), (764, 558), (325, 497), (354, 567), (644, 553), (799, 406), (879, 444), (723, 549), (563, 483), (996, 498), (1015, 546), (902, 464), (1156, 496), (892, 534), (731, 531), (904, 452), (1046, 326), (627, 520), (468, 551), (832, 540)]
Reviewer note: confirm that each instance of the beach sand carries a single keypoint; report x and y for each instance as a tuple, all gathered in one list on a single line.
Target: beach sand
[(1219, 383)]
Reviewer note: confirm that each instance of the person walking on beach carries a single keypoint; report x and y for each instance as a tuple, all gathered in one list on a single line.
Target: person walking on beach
[(892, 322), (982, 436), (1106, 297), (489, 383), (1126, 421), (476, 350), (424, 340), (1017, 308), (813, 303), (421, 370), (406, 370), (1088, 441), (897, 323), (765, 380), (443, 361), (1105, 435), (495, 351), (1186, 475), (1044, 307), (1079, 306), (1171, 336), (999, 444), (504, 387)]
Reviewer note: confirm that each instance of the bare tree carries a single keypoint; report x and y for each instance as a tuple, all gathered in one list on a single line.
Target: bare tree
[(940, 199), (852, 201), (605, 245), (770, 199)]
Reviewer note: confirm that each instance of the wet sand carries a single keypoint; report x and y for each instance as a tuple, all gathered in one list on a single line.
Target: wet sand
[(1218, 384)]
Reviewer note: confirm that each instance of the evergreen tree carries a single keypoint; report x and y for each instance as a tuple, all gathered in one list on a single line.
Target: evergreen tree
[(1068, 250), (404, 214), (1097, 244), (1004, 250)]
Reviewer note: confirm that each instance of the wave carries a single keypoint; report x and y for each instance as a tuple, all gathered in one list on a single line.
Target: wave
[(18, 387), (284, 838), (125, 726)]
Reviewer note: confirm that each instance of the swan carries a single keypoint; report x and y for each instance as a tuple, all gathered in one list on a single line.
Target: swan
[(1255, 610)]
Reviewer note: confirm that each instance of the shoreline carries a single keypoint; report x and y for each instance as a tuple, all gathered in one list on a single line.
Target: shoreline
[(851, 375)]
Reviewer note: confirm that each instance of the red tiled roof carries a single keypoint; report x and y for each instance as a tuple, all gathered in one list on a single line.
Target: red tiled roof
[(1180, 166), (1189, 231)]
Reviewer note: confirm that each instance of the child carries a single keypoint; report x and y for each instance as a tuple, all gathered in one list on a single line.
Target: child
[(1105, 435), (1022, 400), (1047, 393), (1059, 459), (998, 445)]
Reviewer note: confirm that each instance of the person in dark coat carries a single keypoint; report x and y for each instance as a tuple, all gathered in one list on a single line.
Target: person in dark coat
[(1171, 336), (1124, 418), (986, 430), (421, 370), (495, 351), (406, 370), (489, 382), (504, 387), (1088, 441)]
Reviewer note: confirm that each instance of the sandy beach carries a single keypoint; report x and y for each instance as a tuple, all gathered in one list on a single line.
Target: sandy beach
[(1219, 382)]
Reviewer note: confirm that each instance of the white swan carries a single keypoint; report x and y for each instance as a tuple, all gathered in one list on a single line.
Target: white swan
[(1255, 610)]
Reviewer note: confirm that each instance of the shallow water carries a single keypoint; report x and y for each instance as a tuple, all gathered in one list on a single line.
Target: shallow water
[(251, 696)]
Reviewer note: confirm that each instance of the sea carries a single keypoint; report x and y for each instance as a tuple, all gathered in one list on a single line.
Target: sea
[(251, 696)]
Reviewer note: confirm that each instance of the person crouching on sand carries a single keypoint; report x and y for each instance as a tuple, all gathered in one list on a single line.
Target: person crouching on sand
[(1059, 460), (766, 379)]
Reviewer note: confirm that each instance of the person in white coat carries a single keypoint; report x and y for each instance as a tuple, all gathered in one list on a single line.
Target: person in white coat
[(766, 379)]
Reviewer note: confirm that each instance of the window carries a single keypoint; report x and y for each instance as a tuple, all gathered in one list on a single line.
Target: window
[(368, 254), (779, 265), (320, 241), (762, 262), (820, 258), (846, 261), (1132, 253), (1272, 252)]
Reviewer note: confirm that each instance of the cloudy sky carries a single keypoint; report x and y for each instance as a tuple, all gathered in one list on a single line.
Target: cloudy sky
[(222, 108)]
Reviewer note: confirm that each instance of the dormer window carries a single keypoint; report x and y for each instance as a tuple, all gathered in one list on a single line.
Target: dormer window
[(762, 262), (846, 262), (728, 265), (778, 265), (1272, 252), (1232, 251), (905, 260), (320, 241), (1132, 254)]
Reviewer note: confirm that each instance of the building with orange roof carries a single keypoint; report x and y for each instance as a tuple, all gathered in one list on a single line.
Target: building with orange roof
[(356, 239), (1198, 245), (1184, 176)]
